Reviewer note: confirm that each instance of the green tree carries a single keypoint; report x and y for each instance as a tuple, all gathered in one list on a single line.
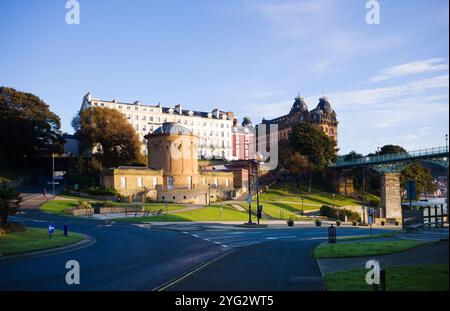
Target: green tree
[(421, 175), (107, 130), (352, 155), (296, 164), (28, 129), (9, 202), (315, 145)]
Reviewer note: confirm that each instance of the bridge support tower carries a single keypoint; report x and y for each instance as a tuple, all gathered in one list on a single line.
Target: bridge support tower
[(390, 197)]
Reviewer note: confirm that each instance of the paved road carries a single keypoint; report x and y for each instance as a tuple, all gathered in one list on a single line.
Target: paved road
[(136, 257), (124, 257)]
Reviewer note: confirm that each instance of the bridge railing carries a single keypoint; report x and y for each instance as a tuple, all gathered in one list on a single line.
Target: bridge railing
[(392, 157)]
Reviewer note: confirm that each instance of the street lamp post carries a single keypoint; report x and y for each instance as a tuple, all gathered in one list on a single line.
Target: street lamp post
[(53, 173), (303, 210), (209, 194), (446, 149), (334, 197), (249, 193), (364, 195)]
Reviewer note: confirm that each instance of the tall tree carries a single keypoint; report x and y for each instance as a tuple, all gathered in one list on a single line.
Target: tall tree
[(27, 127), (315, 145), (107, 130)]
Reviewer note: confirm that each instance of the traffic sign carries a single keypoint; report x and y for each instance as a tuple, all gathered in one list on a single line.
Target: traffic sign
[(249, 199), (51, 228)]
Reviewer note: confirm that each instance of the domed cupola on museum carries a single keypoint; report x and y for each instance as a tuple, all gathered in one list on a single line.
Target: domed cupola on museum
[(172, 148)]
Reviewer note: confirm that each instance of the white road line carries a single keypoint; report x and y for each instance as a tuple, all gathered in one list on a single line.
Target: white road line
[(185, 232), (195, 235), (206, 239)]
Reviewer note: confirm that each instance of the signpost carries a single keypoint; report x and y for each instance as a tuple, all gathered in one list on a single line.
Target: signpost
[(51, 229), (370, 218)]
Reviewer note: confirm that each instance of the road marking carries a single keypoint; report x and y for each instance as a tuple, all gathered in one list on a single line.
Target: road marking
[(195, 235), (281, 237), (206, 239), (178, 280), (185, 232)]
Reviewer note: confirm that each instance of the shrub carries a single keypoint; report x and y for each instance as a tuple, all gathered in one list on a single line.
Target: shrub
[(95, 190), (109, 204), (318, 222), (354, 223), (290, 221), (328, 211), (382, 223), (84, 205), (338, 223), (11, 227)]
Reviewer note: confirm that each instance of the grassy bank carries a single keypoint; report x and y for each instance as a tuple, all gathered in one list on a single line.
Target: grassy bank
[(356, 249), (208, 213), (33, 239), (403, 278)]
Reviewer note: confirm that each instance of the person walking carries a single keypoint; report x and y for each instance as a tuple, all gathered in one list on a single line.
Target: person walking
[(44, 193)]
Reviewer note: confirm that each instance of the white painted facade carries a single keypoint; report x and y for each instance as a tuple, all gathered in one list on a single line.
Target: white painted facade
[(214, 129)]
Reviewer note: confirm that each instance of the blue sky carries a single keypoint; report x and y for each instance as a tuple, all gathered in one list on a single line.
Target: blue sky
[(389, 83)]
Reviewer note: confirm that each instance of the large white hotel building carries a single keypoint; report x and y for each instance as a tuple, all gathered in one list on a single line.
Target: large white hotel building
[(214, 129)]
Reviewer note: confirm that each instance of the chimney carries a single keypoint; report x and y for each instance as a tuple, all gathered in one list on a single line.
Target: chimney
[(179, 109)]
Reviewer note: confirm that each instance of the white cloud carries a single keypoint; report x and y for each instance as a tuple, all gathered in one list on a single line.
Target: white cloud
[(373, 98), (408, 69)]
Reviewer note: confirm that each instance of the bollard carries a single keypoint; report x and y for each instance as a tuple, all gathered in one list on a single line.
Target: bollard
[(66, 230), (382, 284), (332, 234)]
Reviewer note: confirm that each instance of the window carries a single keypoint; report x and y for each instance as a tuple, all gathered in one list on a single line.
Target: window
[(204, 181), (123, 182), (170, 182), (189, 182), (216, 182), (128, 107), (136, 117), (140, 182), (144, 118), (227, 182), (155, 182)]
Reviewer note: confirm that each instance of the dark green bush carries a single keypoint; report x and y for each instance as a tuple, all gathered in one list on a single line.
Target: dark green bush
[(95, 190)]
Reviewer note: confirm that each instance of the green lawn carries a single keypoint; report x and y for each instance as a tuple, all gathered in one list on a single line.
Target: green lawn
[(154, 206), (208, 213), (58, 206), (403, 278), (279, 194), (356, 249), (33, 239)]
